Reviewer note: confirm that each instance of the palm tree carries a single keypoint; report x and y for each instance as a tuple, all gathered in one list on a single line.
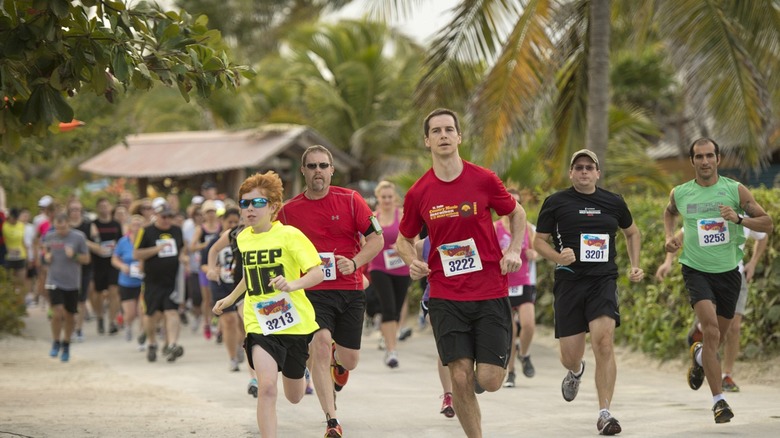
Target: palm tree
[(538, 53), (350, 81), (598, 79)]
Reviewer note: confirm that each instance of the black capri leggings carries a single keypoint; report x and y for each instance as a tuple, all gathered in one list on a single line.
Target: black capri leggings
[(391, 290)]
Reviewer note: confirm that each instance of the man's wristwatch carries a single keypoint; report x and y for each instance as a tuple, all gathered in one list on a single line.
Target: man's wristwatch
[(739, 221)]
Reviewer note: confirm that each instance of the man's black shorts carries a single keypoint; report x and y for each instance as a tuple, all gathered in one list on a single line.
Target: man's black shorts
[(580, 300), (479, 330), (341, 312), (722, 289), (67, 298), (104, 274), (158, 298)]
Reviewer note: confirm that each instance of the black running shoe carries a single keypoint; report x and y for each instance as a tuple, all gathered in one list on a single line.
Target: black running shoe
[(510, 380), (695, 371), (528, 368), (608, 425), (151, 353), (252, 388), (722, 412), (175, 352)]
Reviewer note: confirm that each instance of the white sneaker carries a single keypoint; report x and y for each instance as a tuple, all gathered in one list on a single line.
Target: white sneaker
[(195, 324), (391, 359)]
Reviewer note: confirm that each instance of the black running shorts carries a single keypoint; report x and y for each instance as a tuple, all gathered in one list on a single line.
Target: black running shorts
[(158, 298), (129, 293), (722, 289), (289, 351), (580, 300), (341, 312), (104, 274), (528, 296), (220, 291), (65, 298), (479, 330)]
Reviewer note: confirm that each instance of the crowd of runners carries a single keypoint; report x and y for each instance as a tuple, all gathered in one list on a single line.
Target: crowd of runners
[(283, 284)]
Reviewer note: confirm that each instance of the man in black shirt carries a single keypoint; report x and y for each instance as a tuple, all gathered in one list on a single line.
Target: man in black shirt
[(159, 247), (104, 235), (583, 221)]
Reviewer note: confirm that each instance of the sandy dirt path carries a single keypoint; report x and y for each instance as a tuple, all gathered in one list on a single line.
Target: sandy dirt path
[(108, 389)]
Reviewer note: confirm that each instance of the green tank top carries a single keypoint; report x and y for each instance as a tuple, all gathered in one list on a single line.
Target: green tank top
[(710, 243)]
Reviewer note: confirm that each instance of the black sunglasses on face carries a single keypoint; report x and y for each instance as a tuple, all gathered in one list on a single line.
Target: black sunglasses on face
[(313, 166), (256, 203)]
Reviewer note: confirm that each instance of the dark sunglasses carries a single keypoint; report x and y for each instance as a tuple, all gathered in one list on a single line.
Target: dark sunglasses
[(313, 166), (256, 203)]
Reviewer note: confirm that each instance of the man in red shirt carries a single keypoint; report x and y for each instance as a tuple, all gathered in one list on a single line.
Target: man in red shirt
[(334, 219), (469, 306)]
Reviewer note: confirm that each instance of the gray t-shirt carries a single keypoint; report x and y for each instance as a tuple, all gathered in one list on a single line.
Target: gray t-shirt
[(64, 272)]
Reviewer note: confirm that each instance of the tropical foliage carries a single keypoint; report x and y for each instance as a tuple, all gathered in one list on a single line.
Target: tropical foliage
[(351, 82), (257, 28), (722, 53), (56, 48)]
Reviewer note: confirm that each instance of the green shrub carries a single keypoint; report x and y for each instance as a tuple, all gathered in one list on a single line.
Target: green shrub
[(12, 308), (655, 317)]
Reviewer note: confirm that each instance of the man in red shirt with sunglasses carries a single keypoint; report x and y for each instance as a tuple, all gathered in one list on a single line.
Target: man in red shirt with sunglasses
[(336, 220)]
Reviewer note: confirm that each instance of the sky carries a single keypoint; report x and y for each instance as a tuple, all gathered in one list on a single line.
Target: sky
[(424, 21)]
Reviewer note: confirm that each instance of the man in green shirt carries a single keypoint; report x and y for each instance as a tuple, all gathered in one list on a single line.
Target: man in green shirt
[(711, 206)]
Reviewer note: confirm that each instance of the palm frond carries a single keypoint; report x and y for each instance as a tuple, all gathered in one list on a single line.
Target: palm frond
[(630, 168), (713, 49), (504, 102), (473, 36)]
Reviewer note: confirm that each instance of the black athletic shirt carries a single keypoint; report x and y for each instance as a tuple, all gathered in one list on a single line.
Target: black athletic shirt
[(161, 271), (569, 215), (86, 228)]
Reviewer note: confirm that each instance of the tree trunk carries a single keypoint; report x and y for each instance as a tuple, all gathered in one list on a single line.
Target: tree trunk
[(598, 80)]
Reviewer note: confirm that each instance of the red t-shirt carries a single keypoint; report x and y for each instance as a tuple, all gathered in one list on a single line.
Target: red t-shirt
[(334, 224), (453, 212)]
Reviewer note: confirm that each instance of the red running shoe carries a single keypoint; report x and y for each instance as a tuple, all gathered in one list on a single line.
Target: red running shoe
[(339, 374), (334, 429), (446, 405)]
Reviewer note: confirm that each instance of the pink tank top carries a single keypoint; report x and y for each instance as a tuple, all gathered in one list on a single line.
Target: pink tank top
[(387, 260), (521, 277)]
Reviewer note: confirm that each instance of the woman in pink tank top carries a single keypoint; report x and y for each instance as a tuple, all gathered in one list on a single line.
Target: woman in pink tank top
[(389, 274)]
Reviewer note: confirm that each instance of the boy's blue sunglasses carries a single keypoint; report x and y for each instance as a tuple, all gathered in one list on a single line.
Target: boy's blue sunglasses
[(256, 203)]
